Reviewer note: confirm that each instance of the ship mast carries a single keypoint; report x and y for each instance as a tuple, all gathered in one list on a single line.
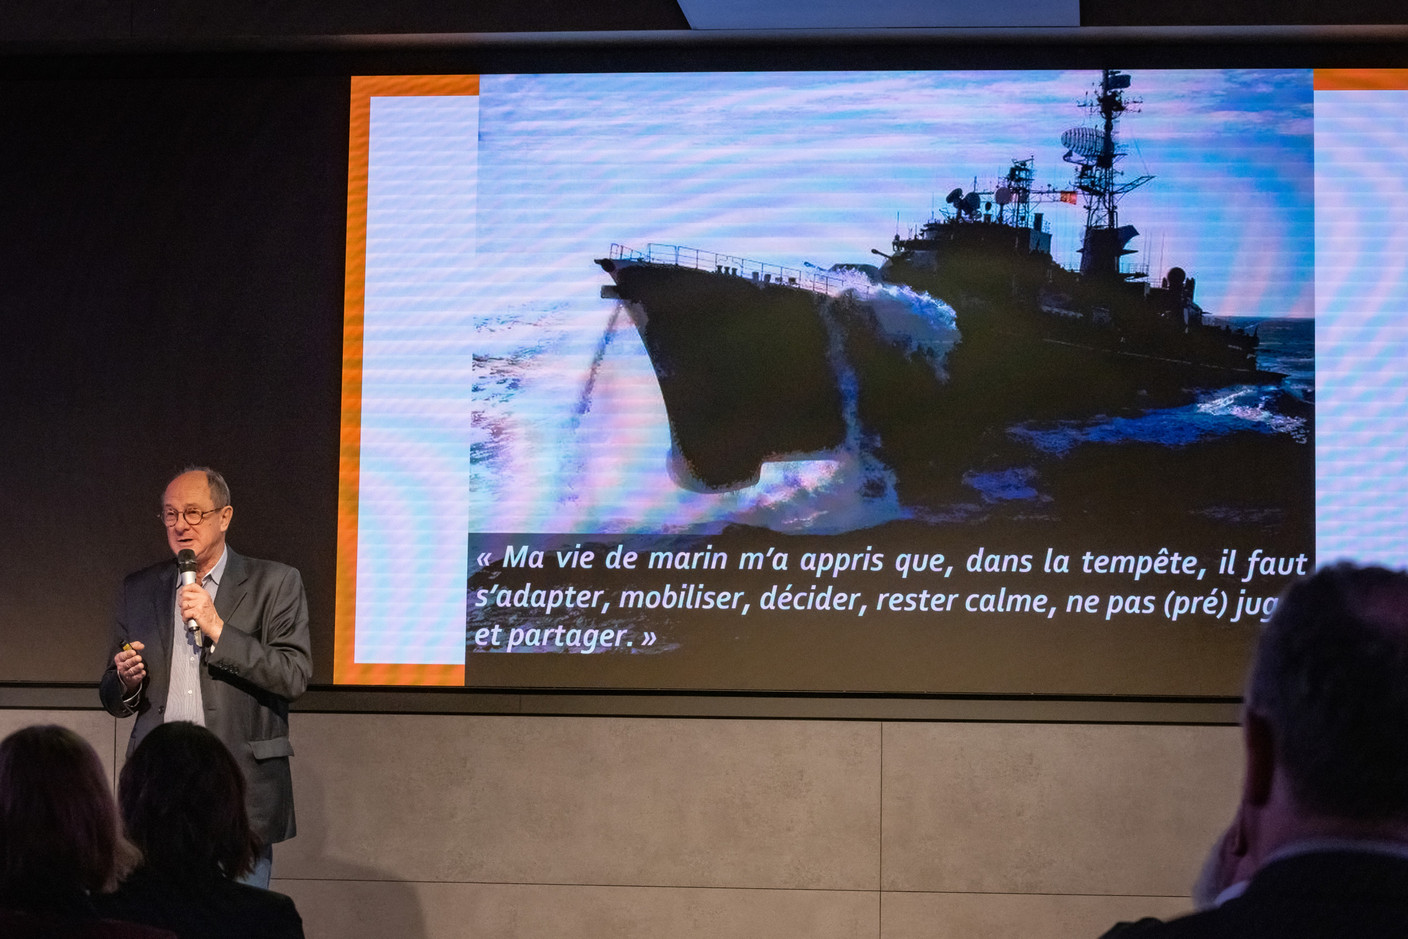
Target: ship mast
[(1097, 152)]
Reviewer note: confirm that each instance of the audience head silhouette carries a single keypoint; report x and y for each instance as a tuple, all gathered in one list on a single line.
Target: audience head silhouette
[(58, 825), (1330, 685), (1319, 843), (182, 799)]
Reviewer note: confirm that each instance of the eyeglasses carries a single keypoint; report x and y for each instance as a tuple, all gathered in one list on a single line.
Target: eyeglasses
[(193, 516)]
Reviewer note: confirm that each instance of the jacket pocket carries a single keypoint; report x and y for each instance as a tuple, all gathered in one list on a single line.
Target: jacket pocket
[(268, 749)]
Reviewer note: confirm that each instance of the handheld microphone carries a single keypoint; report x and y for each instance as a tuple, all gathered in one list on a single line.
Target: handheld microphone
[(186, 563)]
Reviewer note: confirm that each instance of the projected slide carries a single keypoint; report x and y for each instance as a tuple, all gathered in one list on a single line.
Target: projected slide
[(910, 382)]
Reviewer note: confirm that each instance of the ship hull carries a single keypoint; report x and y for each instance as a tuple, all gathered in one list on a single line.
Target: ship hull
[(745, 369), (755, 372)]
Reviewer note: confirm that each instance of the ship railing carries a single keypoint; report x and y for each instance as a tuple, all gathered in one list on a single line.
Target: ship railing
[(759, 271)]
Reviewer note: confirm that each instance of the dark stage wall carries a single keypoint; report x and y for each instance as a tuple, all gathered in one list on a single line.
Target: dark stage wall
[(170, 292)]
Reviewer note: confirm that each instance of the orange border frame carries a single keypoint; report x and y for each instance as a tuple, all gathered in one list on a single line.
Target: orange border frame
[(1361, 79), (346, 670)]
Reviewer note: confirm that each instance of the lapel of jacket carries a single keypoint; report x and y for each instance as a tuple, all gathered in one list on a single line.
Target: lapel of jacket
[(234, 587), (164, 609)]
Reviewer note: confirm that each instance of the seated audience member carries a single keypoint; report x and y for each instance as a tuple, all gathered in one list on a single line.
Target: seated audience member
[(1319, 846), (59, 842), (181, 795)]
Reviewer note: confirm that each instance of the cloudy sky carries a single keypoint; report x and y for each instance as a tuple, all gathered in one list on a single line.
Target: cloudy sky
[(823, 167)]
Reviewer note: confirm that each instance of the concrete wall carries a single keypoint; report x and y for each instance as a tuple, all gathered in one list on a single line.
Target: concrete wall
[(535, 827)]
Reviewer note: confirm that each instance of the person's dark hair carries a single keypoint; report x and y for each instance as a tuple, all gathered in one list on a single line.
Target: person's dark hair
[(1331, 678), (219, 489), (58, 824), (181, 794)]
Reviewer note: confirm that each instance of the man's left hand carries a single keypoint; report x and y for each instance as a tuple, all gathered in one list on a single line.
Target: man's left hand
[(196, 605)]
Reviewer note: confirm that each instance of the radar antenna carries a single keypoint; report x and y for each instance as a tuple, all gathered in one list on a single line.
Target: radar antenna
[(1097, 153)]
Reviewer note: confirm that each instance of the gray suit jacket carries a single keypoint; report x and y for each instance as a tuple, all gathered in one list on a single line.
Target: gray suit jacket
[(262, 662)]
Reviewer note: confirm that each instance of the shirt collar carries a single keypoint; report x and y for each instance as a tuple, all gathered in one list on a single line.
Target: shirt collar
[(218, 571), (1232, 892), (1361, 845)]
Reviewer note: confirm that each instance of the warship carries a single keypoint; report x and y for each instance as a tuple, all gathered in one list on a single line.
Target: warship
[(758, 362)]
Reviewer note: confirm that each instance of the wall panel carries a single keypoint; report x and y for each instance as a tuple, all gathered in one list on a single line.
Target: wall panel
[(530, 827)]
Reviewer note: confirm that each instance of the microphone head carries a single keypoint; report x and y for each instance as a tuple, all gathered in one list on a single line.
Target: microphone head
[(186, 559)]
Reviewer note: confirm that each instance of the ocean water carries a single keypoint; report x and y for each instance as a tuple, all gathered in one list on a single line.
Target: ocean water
[(1287, 346), (1282, 409), (569, 434)]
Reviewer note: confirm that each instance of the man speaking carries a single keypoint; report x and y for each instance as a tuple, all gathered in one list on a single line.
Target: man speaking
[(218, 639)]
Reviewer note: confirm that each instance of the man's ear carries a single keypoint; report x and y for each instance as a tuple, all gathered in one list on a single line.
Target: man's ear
[(1259, 743)]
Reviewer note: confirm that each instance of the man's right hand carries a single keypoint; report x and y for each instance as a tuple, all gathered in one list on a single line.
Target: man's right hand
[(130, 668)]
